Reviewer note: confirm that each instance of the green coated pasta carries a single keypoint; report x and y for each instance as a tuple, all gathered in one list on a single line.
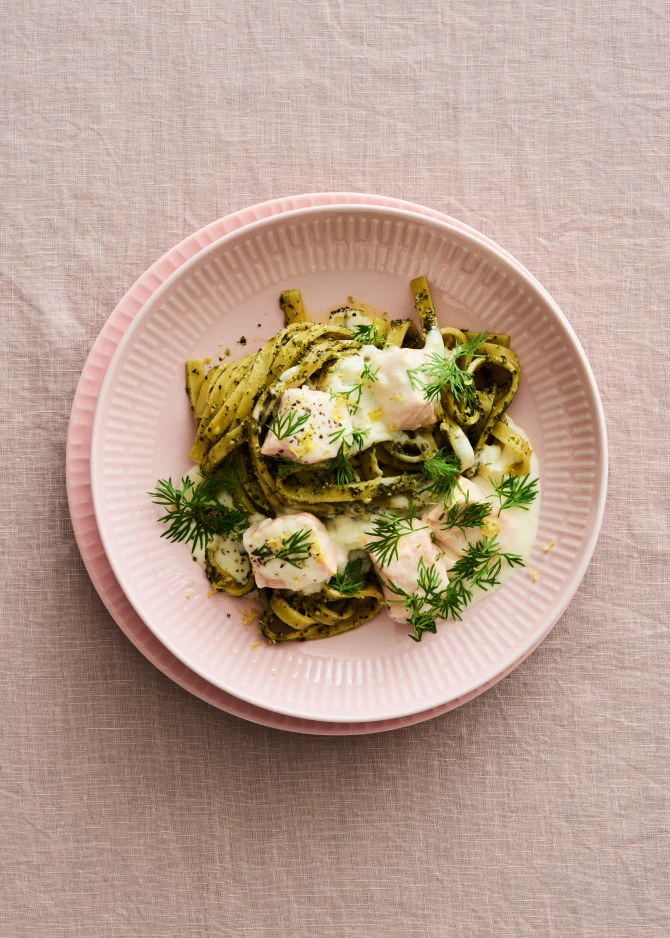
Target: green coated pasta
[(234, 402)]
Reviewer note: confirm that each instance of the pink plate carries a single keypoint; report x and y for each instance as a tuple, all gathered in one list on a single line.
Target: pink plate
[(142, 431), (79, 491)]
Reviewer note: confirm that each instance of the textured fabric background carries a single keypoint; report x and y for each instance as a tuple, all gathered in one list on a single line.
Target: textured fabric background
[(132, 810)]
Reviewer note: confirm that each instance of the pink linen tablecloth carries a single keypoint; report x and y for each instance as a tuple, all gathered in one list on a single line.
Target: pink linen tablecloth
[(131, 809)]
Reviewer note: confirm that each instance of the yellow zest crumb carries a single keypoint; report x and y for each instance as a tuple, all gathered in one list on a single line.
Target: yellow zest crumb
[(533, 574), (207, 361), (375, 414), (396, 397), (547, 547), (490, 528), (189, 591), (255, 645), (210, 593), (248, 615), (392, 427)]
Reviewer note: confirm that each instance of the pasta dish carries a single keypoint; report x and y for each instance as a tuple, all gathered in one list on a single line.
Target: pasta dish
[(356, 465)]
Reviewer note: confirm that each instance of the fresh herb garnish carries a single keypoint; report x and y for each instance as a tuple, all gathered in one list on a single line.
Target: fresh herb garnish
[(368, 374), (445, 373), (481, 563), (352, 396), (387, 529), (340, 465), (367, 335), (229, 477), (351, 580), (440, 472), (433, 600), (263, 552), (295, 549), (287, 424), (357, 437), (465, 514), (194, 514), (515, 492)]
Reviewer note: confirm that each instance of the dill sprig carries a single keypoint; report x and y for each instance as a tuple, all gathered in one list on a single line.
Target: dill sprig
[(427, 598), (433, 600), (351, 580), (368, 374), (287, 424), (387, 529), (352, 396), (454, 600), (194, 515), (341, 466), (465, 514), (340, 463), (481, 563), (230, 477), (357, 437), (515, 492), (295, 549), (367, 335), (445, 373), (440, 472)]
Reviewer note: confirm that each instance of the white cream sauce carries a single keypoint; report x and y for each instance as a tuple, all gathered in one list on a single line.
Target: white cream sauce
[(517, 533), (231, 557), (385, 404), (349, 534)]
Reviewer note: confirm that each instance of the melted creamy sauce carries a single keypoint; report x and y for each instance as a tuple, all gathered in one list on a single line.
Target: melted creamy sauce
[(229, 555), (387, 404), (516, 536), (517, 533), (349, 534), (520, 530)]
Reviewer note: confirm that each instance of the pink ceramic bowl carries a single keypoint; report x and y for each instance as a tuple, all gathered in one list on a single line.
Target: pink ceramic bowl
[(143, 431)]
